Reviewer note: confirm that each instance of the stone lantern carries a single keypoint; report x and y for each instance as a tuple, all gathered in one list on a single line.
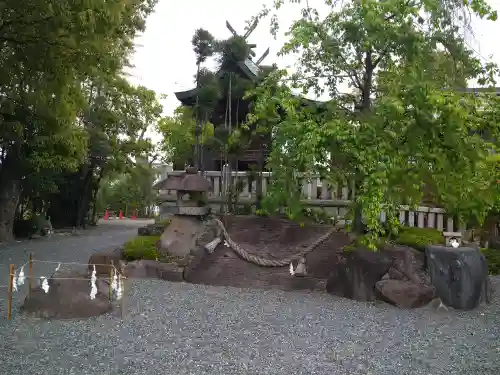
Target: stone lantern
[(191, 191)]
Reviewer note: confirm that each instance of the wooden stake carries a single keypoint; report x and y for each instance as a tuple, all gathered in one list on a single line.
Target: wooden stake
[(111, 268), (30, 277), (11, 289)]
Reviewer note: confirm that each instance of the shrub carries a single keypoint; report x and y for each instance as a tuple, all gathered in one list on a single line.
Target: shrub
[(142, 247), (493, 258), (25, 228), (419, 238)]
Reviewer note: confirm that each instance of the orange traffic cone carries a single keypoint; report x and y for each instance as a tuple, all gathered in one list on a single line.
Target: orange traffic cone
[(106, 215), (121, 215)]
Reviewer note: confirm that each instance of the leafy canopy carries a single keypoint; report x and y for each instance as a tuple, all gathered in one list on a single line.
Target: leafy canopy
[(396, 121)]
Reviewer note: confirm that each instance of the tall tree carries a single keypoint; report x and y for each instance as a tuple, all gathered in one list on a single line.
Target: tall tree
[(51, 52), (402, 124)]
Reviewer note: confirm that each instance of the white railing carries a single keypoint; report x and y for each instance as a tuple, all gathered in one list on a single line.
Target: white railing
[(333, 199)]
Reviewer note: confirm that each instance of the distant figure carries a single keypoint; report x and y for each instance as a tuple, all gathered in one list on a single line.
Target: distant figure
[(300, 270)]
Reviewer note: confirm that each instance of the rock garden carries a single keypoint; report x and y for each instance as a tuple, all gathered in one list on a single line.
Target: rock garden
[(410, 270)]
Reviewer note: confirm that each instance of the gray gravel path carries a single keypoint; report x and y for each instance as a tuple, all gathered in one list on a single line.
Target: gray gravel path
[(192, 329)]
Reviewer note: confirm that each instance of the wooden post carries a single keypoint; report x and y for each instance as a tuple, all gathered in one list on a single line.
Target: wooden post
[(111, 268), (11, 289), (30, 276)]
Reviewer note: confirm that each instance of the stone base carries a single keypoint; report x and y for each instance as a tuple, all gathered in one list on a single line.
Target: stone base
[(152, 269), (179, 238), (68, 299)]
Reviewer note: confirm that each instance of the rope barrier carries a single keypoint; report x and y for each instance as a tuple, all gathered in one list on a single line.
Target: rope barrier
[(263, 262)]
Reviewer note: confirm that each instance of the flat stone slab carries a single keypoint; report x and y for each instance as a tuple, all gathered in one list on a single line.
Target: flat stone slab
[(103, 258), (155, 270)]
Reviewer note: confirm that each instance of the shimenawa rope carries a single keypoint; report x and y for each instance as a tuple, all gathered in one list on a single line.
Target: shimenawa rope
[(263, 262)]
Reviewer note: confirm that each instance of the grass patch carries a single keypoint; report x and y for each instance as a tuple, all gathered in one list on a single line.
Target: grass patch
[(142, 247), (145, 247)]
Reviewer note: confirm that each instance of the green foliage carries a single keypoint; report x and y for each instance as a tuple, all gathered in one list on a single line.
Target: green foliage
[(419, 238), (142, 247), (131, 191), (318, 216), (493, 259), (398, 130), (262, 212), (179, 135), (67, 117)]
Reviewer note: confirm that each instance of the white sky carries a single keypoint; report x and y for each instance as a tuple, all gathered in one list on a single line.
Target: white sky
[(165, 62)]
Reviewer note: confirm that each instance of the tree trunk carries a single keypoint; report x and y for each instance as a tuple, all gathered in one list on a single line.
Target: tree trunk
[(10, 192)]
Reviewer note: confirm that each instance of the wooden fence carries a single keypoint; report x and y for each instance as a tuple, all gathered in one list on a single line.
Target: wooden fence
[(333, 199)]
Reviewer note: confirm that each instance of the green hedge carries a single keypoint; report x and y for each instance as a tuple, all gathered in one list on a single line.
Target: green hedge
[(142, 247), (419, 238)]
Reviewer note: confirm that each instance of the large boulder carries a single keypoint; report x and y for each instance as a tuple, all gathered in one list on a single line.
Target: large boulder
[(405, 293), (460, 276), (68, 298), (179, 238), (356, 276), (155, 270), (407, 264)]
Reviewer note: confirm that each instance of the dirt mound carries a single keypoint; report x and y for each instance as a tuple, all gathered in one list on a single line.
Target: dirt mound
[(271, 238)]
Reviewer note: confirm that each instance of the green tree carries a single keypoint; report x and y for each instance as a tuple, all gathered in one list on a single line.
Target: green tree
[(46, 75), (179, 136), (402, 125)]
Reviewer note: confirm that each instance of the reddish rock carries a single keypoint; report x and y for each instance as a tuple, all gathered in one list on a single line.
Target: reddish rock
[(395, 274), (405, 294), (409, 262)]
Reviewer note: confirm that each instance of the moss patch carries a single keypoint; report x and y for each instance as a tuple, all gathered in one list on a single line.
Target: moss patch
[(419, 238)]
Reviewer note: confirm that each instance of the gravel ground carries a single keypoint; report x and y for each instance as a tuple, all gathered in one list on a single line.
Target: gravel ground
[(180, 329)]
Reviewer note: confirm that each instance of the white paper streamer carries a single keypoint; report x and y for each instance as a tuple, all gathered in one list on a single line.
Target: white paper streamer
[(21, 277), (14, 283), (45, 284), (292, 271), (57, 268), (119, 289), (114, 282), (93, 286)]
